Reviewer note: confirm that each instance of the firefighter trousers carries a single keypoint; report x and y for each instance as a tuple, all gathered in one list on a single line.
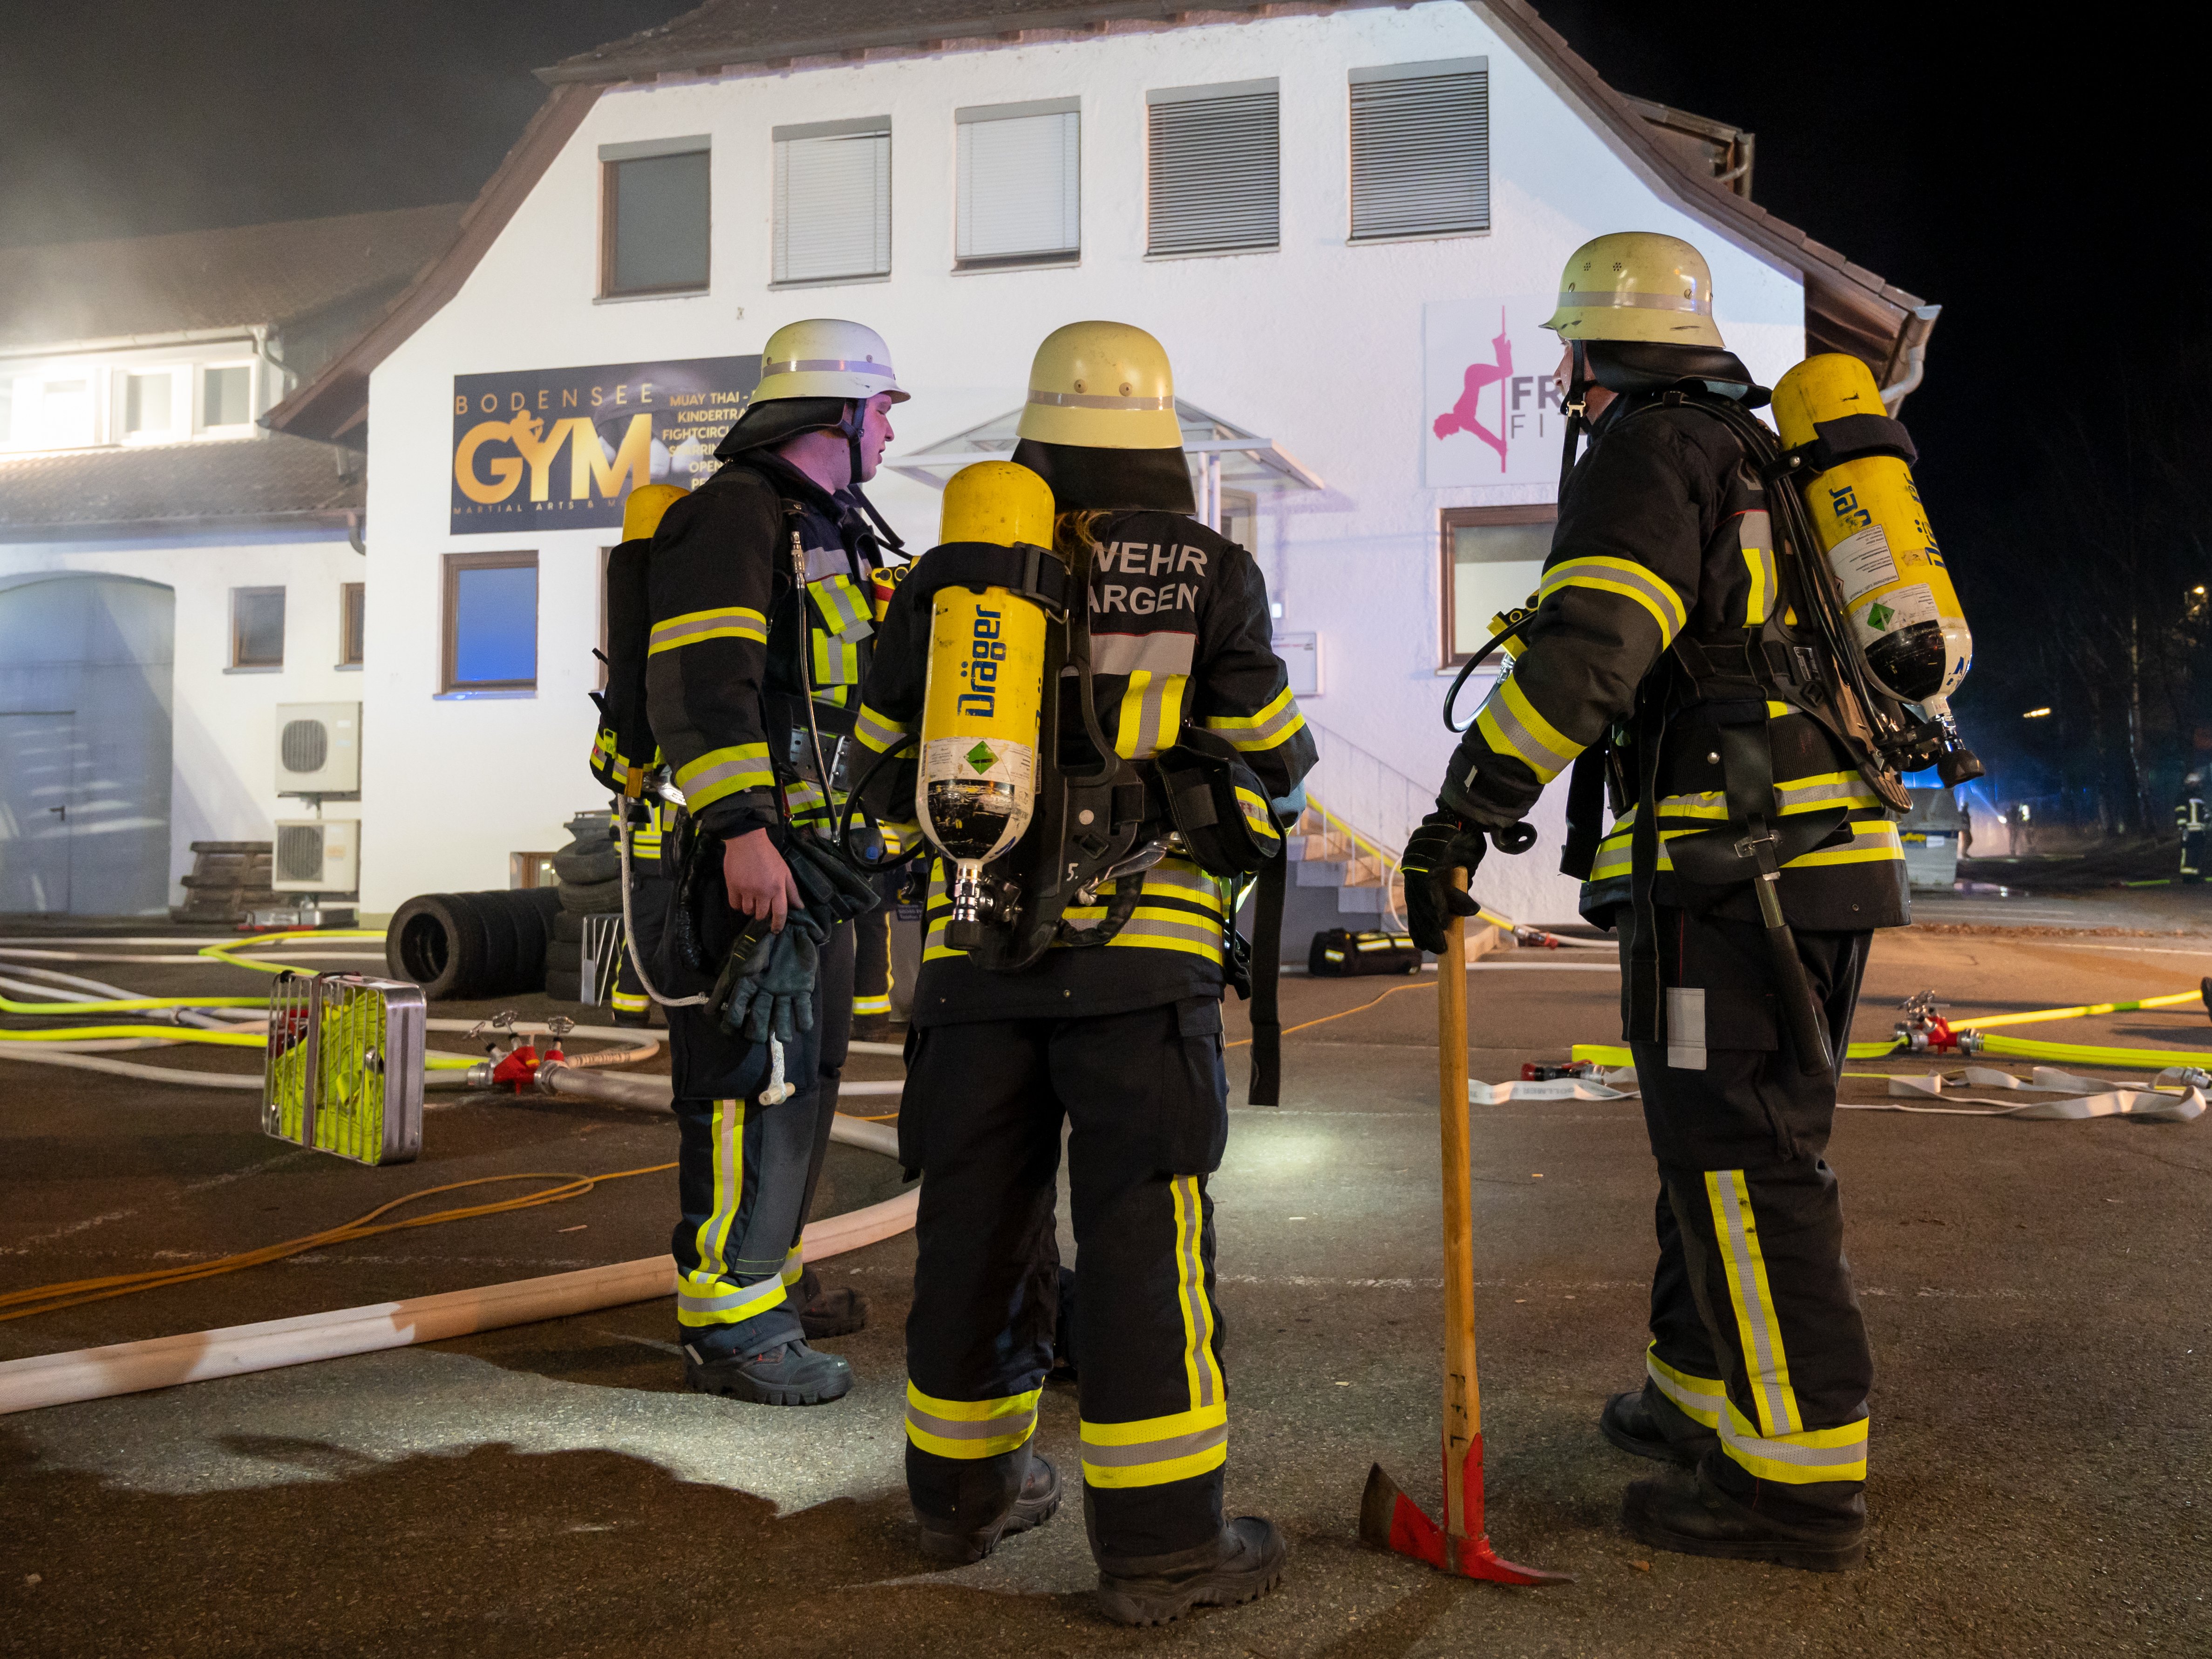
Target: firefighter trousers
[(1145, 1100), (745, 1173), (1756, 1334)]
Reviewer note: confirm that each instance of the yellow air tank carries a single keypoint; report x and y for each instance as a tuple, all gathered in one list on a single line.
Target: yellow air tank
[(642, 510), (980, 715), (1904, 610)]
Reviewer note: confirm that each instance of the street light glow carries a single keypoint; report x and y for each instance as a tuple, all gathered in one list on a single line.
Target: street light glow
[(2035, 713)]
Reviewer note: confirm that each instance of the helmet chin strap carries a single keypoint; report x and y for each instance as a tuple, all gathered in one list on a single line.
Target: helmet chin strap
[(855, 423), (1578, 386)]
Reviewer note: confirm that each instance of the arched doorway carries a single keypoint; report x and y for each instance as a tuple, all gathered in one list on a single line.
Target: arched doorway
[(86, 670)]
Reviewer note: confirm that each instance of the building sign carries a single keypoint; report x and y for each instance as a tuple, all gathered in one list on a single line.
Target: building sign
[(562, 449), (1490, 412)]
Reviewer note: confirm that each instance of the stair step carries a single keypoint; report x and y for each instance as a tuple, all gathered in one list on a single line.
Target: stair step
[(1360, 901), (1320, 872)]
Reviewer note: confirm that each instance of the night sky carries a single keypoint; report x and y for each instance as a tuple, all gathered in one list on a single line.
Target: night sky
[(2040, 190)]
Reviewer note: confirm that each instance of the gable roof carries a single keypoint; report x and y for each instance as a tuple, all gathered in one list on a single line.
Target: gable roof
[(268, 481), (71, 294), (1847, 307)]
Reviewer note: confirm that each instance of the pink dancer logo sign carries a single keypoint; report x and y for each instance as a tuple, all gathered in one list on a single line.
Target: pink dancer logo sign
[(1492, 415)]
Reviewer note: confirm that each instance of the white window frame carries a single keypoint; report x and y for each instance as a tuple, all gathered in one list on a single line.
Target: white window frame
[(781, 139), (1218, 92), (1434, 70), (98, 396), (980, 115), (199, 426), (181, 382)]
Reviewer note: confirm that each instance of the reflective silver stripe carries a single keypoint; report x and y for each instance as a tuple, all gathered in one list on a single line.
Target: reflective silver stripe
[(1155, 1451), (1521, 741), (1191, 1275), (1661, 601), (826, 366), (1848, 1457), (745, 772), (738, 624), (1263, 730), (982, 1428), (1848, 791), (741, 1299), (1757, 1322), (1151, 928), (1181, 882), (875, 731), (1156, 653), (1636, 302), (1150, 712), (1095, 400)]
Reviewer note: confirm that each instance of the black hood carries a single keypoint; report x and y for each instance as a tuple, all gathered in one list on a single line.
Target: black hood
[(1084, 479), (1633, 366), (764, 424)]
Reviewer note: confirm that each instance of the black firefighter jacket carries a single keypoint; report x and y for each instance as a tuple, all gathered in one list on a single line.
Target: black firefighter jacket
[(1663, 535), (1180, 636)]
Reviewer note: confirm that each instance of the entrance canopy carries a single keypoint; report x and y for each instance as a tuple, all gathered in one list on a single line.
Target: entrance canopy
[(1223, 455)]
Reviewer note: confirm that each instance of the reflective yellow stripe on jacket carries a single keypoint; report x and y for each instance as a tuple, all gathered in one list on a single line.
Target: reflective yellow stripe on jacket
[(721, 773), (730, 623), (1178, 909), (1273, 725)]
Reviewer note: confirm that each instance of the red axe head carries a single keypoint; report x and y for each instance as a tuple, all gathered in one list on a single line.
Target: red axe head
[(1389, 1520)]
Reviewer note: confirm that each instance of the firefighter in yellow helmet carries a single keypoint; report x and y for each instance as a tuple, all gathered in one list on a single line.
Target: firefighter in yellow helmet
[(1748, 859), (1114, 1027), (758, 628)]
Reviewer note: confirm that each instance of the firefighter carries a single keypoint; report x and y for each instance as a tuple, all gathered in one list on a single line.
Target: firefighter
[(1117, 1029), (758, 607), (1654, 635), (2188, 817)]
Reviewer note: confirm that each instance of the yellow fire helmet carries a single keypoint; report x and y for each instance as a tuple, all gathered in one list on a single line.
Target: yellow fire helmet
[(826, 357), (997, 502), (1637, 285), (1102, 385), (642, 511)]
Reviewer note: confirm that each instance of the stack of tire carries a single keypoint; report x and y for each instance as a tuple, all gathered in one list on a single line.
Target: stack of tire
[(589, 872), (463, 947)]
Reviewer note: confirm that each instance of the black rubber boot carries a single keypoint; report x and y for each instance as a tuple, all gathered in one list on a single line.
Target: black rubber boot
[(1644, 1423), (1682, 1510), (1242, 1565), (792, 1375), (841, 1312), (1034, 1505)]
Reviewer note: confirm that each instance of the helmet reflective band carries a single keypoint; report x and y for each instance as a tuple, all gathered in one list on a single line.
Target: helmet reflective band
[(1102, 385), (825, 357), (1637, 285)]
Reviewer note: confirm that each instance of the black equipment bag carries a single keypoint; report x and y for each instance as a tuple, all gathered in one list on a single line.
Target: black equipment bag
[(1339, 953), (1218, 805)]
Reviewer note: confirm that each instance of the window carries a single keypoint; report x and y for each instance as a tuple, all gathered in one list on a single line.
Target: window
[(491, 623), (353, 611), (1421, 150), (146, 404), (833, 200), (227, 395), (1493, 559), (1213, 168), (654, 207), (1021, 195), (257, 628), (64, 419)]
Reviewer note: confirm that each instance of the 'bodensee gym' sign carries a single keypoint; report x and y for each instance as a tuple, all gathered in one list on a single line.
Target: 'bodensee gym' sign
[(560, 449)]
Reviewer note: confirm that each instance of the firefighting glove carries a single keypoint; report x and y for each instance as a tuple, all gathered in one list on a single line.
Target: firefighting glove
[(835, 890), (772, 990), (1443, 842)]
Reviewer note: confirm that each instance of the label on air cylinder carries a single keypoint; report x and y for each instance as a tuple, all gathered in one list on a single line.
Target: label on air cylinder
[(1863, 561), (1892, 611), (972, 760)]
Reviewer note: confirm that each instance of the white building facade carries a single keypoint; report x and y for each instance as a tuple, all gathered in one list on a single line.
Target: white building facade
[(1240, 183), (171, 572)]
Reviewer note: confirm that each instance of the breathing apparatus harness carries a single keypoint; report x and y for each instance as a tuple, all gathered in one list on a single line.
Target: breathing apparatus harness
[(833, 883), (1815, 667)]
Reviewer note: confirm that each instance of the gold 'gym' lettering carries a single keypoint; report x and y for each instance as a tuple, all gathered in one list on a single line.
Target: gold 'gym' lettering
[(590, 472)]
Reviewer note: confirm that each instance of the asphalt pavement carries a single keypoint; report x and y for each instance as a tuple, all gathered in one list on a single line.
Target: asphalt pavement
[(2041, 1463)]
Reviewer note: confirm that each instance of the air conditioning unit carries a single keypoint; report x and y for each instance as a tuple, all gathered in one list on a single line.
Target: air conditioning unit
[(317, 855), (318, 748)]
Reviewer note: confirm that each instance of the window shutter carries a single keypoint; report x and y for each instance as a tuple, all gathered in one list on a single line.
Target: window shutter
[(1420, 148), (1020, 185), (1214, 172), (833, 201)]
